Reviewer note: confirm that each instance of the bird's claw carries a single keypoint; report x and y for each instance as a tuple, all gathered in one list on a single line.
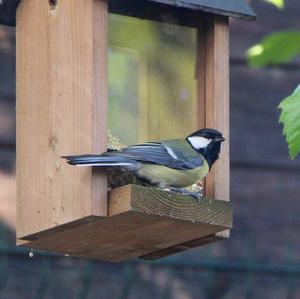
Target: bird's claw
[(195, 194)]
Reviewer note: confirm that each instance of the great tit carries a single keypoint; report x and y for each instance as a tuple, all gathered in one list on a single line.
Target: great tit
[(169, 164)]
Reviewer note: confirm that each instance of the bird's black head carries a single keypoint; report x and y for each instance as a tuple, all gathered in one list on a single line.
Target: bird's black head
[(207, 142)]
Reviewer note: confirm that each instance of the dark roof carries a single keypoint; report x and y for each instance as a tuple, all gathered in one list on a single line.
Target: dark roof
[(231, 8)]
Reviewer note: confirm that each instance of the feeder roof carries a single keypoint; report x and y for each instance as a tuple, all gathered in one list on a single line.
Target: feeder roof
[(231, 8)]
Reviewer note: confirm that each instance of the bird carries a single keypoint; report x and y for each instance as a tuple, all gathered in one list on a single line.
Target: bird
[(172, 165)]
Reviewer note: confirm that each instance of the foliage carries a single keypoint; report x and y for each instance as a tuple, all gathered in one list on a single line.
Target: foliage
[(290, 117), (278, 3), (276, 48)]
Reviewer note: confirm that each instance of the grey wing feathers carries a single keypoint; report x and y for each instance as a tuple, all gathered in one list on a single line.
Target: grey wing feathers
[(149, 152), (176, 154), (184, 153)]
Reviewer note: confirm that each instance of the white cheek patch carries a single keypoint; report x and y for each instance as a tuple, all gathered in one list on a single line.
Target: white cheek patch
[(199, 142)]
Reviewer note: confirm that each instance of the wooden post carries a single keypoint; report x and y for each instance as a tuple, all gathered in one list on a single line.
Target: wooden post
[(216, 68), (61, 109), (217, 100), (213, 95)]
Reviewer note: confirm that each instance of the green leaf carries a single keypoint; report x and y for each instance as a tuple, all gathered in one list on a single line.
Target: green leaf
[(290, 118), (276, 48), (278, 3)]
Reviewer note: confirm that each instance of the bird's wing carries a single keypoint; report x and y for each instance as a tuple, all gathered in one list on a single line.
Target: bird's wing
[(105, 159), (175, 153)]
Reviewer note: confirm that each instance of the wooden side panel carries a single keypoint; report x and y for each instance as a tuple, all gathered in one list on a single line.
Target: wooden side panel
[(212, 73), (61, 109), (217, 100), (217, 103), (100, 100), (200, 73), (213, 97), (180, 247)]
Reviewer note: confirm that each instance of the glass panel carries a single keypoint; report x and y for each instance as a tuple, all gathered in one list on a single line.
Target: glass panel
[(123, 93), (152, 86)]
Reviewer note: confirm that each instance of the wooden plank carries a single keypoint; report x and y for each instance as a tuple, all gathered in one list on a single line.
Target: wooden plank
[(142, 220), (217, 101), (200, 73), (201, 76), (61, 109), (154, 201), (179, 248), (99, 79)]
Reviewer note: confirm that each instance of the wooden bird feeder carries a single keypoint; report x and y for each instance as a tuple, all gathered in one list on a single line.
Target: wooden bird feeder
[(142, 69)]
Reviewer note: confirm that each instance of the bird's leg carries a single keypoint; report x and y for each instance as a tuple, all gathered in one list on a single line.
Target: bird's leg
[(200, 185), (196, 194)]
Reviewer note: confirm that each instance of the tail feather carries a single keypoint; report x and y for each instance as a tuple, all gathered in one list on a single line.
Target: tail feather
[(100, 160)]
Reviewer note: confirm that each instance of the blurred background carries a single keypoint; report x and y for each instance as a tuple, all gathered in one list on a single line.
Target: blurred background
[(262, 257)]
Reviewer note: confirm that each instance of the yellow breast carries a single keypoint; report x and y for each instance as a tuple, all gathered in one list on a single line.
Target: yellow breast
[(165, 176)]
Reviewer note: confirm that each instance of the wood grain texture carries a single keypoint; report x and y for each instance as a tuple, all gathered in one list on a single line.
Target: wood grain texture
[(100, 101), (61, 109), (213, 96), (217, 103), (142, 220), (217, 100), (154, 201), (212, 74), (181, 247), (200, 72)]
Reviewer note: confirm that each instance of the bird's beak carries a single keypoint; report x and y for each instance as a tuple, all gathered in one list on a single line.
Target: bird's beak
[(219, 139)]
